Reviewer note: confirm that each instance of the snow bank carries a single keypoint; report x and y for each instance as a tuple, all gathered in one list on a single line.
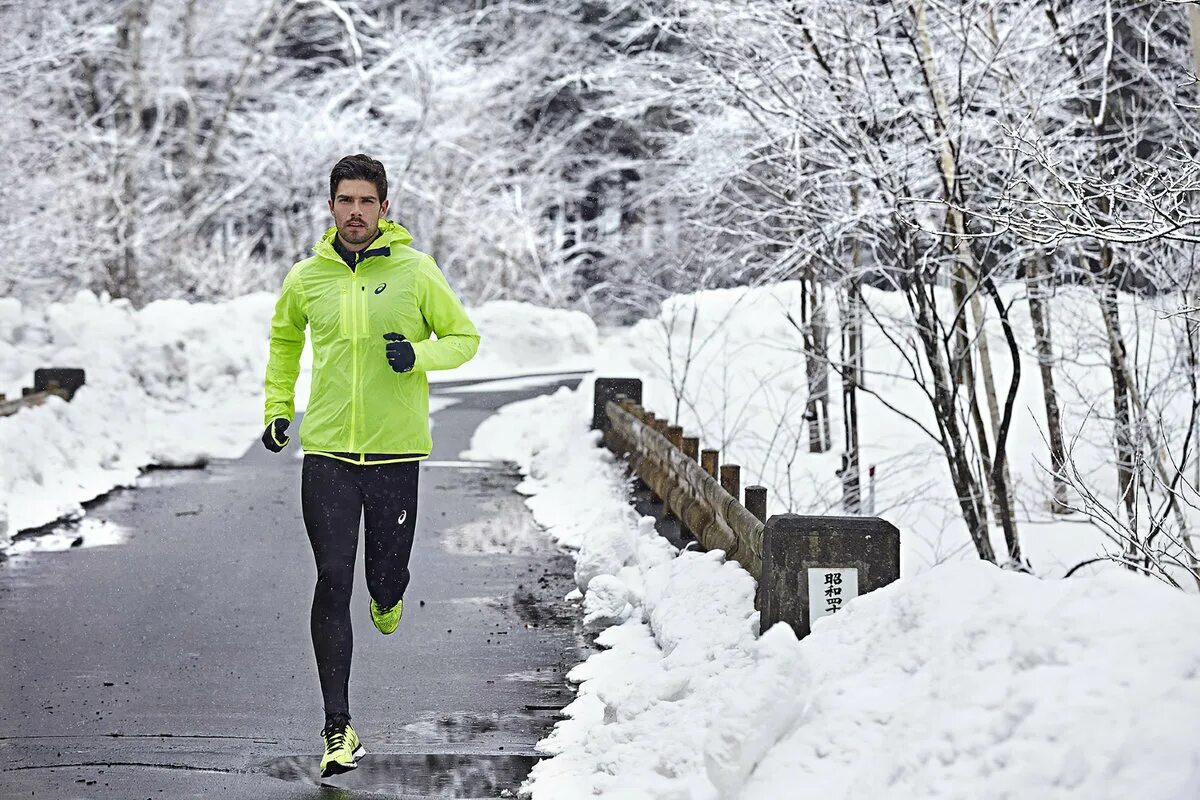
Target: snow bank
[(972, 681), (177, 383), (174, 383), (520, 338), (964, 681)]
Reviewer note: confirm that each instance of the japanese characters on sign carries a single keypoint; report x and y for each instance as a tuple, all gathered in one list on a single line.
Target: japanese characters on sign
[(829, 589)]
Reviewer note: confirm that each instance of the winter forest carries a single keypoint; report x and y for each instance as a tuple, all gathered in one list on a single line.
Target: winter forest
[(955, 185)]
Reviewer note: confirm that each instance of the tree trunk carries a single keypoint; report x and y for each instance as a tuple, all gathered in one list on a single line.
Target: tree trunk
[(1039, 314), (954, 445), (816, 364), (967, 275), (1122, 419), (191, 88), (820, 364), (122, 279), (851, 324)]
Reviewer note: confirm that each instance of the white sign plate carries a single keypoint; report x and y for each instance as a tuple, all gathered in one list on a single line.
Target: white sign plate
[(829, 589)]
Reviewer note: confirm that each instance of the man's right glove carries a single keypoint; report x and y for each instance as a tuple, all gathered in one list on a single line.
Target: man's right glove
[(275, 436), (400, 354)]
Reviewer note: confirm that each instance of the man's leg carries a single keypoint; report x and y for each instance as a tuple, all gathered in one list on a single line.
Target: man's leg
[(332, 504), (390, 503)]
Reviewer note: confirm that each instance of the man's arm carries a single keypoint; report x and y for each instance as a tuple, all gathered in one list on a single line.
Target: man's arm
[(457, 339), (287, 342)]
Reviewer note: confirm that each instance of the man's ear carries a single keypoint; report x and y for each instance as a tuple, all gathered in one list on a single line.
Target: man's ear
[(330, 207), (383, 207)]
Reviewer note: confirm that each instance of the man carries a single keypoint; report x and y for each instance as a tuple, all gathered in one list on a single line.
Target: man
[(371, 302)]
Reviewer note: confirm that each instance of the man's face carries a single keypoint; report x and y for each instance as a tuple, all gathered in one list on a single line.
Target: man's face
[(356, 211)]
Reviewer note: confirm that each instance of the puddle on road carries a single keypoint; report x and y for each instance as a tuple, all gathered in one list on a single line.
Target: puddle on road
[(416, 775), (505, 527), (460, 730), (502, 524)]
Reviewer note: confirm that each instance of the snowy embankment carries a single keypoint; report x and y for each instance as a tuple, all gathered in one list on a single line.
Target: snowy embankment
[(963, 681), (178, 383)]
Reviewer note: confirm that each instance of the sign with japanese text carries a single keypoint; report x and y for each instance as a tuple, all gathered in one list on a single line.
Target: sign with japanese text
[(829, 589)]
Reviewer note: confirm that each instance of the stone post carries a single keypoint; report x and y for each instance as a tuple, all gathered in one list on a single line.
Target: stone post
[(607, 389), (68, 379), (813, 566)]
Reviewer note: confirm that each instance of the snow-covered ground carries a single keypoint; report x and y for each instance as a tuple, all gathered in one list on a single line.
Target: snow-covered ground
[(178, 383), (959, 681)]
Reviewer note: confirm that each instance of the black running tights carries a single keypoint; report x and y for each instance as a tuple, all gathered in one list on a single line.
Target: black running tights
[(334, 496)]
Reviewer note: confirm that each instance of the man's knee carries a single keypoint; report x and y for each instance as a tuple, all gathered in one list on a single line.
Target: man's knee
[(334, 587)]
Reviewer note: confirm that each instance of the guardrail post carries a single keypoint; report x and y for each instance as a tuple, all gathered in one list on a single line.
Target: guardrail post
[(675, 435), (756, 501), (691, 447), (60, 380), (709, 460), (813, 566), (731, 479), (606, 389)]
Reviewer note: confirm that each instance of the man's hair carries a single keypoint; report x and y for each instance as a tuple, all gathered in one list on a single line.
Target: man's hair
[(358, 168)]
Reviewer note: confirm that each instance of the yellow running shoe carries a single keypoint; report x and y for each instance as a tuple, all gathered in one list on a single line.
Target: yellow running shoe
[(386, 619), (342, 748)]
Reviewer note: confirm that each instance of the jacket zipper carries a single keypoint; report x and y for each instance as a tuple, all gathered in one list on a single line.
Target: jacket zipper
[(354, 398)]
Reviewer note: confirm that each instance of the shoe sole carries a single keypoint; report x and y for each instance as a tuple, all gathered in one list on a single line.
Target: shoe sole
[(338, 768)]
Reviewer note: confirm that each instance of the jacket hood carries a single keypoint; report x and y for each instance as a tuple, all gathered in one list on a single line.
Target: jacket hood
[(390, 233)]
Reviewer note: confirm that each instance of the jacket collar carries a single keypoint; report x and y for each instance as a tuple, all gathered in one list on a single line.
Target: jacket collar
[(391, 234)]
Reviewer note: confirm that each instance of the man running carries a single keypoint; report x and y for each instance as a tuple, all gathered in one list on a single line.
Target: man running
[(371, 302)]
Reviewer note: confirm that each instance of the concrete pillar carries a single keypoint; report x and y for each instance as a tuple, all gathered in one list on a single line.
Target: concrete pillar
[(607, 389), (814, 566)]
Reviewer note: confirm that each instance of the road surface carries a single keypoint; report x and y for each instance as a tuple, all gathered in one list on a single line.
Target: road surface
[(178, 663)]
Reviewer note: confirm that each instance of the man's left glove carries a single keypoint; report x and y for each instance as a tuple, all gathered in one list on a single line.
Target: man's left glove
[(275, 437), (400, 354)]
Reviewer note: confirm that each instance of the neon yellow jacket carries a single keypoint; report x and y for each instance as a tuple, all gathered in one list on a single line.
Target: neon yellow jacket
[(358, 405)]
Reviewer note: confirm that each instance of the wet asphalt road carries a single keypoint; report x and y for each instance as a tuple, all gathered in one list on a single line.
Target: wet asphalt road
[(178, 664)]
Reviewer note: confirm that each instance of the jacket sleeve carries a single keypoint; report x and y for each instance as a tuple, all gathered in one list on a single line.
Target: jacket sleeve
[(287, 342), (457, 340)]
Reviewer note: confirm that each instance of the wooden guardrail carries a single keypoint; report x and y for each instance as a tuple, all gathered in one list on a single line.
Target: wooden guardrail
[(806, 566), (47, 382), (708, 508)]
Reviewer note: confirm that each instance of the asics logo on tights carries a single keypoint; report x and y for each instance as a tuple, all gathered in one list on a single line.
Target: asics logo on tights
[(403, 516)]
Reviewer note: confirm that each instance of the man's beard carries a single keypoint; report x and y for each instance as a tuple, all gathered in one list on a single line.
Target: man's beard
[(357, 235)]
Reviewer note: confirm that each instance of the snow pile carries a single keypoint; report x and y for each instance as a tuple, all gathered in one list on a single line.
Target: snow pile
[(521, 338), (972, 681), (963, 681), (174, 383), (177, 383)]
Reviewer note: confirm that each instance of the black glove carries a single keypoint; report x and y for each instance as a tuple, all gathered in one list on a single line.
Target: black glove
[(275, 436), (400, 352)]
